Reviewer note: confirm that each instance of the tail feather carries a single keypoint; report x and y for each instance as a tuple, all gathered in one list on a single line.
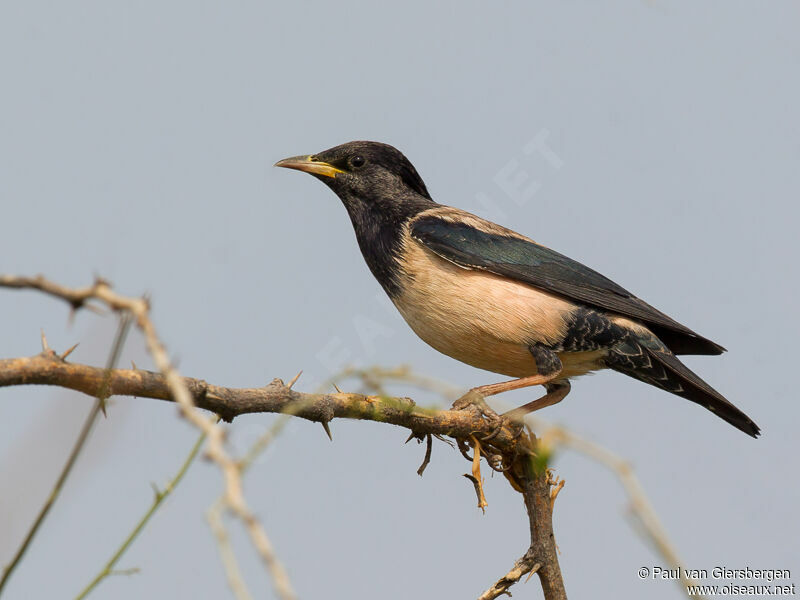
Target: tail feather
[(650, 361)]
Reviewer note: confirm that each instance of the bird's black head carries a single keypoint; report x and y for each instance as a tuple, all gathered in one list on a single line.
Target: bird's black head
[(380, 189), (364, 172)]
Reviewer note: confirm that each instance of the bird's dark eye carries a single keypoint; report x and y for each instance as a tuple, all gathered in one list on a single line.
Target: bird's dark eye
[(357, 161)]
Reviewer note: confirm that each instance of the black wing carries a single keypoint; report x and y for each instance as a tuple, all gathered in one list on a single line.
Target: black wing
[(522, 260)]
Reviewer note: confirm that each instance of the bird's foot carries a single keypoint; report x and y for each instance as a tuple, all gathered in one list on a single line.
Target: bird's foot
[(478, 400), (474, 398)]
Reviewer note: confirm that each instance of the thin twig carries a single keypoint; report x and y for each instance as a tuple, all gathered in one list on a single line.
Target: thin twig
[(557, 484), (232, 571), (427, 459), (476, 474), (214, 514), (160, 496), (640, 505), (88, 424), (526, 564), (263, 442)]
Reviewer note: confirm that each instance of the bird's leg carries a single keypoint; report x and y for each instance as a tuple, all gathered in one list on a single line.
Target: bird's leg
[(476, 397), (549, 368), (515, 384), (556, 392)]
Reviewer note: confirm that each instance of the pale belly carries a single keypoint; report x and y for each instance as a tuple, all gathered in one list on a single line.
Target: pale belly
[(484, 320)]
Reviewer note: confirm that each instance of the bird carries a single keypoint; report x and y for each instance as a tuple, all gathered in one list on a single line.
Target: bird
[(497, 300)]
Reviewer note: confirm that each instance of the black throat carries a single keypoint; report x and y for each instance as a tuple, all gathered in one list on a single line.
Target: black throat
[(379, 230)]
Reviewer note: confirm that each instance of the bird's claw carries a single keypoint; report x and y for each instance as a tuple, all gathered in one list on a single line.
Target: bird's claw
[(474, 398), (502, 421)]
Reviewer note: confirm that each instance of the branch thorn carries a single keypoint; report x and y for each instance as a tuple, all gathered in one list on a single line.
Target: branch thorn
[(535, 568), (45, 345), (68, 351), (294, 380), (327, 430)]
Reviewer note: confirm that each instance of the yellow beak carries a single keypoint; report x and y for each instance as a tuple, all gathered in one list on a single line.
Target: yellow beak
[(309, 164)]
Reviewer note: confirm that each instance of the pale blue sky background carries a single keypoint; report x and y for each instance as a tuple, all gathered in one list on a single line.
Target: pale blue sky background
[(136, 142)]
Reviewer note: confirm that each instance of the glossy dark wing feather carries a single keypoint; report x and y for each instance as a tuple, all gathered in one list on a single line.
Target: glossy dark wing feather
[(654, 364), (525, 261)]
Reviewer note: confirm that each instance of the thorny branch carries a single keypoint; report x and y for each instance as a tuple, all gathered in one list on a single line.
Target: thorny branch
[(173, 386), (276, 397), (553, 438), (534, 480), (507, 451)]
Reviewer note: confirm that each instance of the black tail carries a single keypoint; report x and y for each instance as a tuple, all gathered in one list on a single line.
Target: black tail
[(650, 361)]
